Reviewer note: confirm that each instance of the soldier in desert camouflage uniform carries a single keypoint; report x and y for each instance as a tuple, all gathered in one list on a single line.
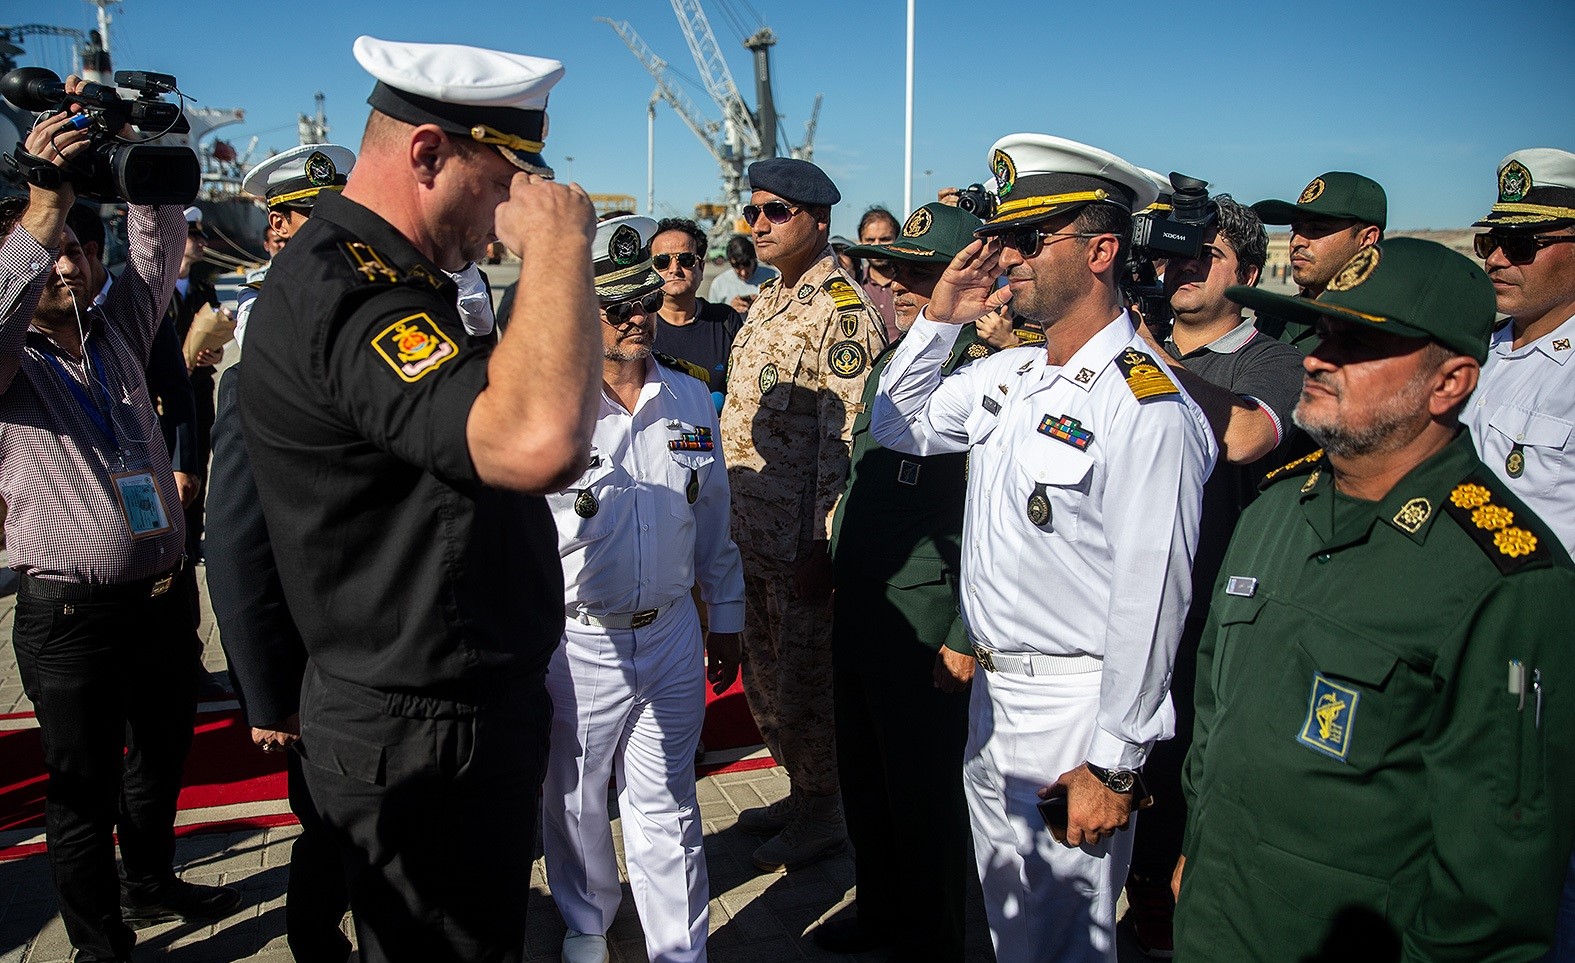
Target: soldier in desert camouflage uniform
[(795, 377)]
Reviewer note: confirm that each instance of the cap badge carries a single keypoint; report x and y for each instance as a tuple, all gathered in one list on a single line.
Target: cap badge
[(1514, 182), (1358, 269), (624, 248), (1311, 192), (919, 223), (1005, 172), (320, 169)]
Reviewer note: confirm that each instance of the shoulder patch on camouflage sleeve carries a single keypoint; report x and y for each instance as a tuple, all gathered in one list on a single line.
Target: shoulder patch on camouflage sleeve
[(1144, 375), (369, 264), (687, 367), (843, 293), (847, 359), (1509, 543), (415, 347)]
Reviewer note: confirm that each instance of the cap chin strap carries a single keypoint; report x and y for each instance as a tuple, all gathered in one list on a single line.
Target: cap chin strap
[(483, 134), (1045, 202)]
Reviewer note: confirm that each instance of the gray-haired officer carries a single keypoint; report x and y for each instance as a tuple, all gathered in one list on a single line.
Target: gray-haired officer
[(1085, 478), (288, 184), (400, 468), (1522, 415)]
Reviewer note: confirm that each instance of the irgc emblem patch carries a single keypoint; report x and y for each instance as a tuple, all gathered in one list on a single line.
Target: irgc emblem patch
[(624, 247), (919, 223), (1331, 712), (320, 170), (847, 359), (1311, 192), (414, 347), (1357, 270), (1005, 172), (1514, 182)]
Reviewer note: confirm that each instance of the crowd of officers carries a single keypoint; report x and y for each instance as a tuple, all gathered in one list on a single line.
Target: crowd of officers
[(1257, 617)]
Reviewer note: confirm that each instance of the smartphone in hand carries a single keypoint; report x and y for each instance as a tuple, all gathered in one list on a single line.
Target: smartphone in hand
[(1053, 812)]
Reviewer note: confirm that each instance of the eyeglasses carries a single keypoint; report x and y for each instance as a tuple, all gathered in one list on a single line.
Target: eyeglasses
[(685, 260), (775, 211), (619, 314), (1030, 241), (1517, 248)]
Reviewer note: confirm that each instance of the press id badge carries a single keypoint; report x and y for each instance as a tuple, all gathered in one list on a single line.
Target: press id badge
[(141, 503)]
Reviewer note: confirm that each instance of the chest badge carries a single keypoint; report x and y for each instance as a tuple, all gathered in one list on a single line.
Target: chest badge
[(697, 439), (692, 489), (586, 505), (1039, 506), (1068, 429), (1515, 462), (1331, 714), (768, 378)]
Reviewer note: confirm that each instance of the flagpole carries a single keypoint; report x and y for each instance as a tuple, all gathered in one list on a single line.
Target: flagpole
[(907, 142)]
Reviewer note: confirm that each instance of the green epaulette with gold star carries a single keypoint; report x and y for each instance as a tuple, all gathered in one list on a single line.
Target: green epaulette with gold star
[(1510, 542), (1297, 468), (678, 364)]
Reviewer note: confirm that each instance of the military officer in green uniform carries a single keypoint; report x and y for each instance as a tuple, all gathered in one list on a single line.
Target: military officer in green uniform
[(901, 659), (1386, 689)]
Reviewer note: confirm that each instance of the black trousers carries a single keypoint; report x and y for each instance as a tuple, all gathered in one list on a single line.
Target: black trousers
[(317, 898), (433, 807), (900, 747), (108, 677)]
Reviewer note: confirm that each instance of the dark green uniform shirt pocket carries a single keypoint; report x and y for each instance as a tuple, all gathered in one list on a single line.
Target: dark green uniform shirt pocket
[(1231, 612), (1310, 892), (1345, 703)]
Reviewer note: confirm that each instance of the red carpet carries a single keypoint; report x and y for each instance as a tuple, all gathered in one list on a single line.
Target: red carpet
[(230, 785)]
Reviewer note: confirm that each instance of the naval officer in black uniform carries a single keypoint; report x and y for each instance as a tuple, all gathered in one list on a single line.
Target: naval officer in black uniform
[(397, 464)]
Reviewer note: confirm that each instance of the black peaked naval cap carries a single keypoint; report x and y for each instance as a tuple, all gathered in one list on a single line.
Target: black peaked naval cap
[(1338, 194), (933, 234), (1405, 286), (793, 179)]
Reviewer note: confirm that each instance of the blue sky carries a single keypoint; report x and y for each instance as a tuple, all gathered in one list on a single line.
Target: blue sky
[(1258, 98)]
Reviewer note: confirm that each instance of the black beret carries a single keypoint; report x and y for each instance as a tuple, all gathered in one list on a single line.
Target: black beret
[(795, 180)]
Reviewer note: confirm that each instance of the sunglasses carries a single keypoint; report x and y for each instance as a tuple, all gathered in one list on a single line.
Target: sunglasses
[(775, 211), (685, 260), (1517, 248), (1030, 241), (618, 314)]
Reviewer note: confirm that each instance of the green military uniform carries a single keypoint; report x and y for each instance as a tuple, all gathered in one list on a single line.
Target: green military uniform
[(1364, 781)]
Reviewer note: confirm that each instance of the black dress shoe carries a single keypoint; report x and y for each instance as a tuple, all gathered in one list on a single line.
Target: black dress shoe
[(848, 935), (179, 900)]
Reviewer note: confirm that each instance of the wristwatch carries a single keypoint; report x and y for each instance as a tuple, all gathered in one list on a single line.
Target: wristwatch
[(1121, 781)]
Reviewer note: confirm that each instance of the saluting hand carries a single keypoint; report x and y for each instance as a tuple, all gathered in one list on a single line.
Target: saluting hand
[(543, 218), (967, 290), (1093, 812)]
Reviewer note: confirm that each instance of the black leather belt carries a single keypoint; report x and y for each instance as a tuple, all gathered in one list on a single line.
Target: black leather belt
[(144, 588)]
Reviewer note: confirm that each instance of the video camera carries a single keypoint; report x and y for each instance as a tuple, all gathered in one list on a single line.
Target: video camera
[(1158, 236), (111, 169)]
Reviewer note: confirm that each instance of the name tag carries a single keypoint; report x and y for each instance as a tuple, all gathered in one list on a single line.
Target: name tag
[(141, 503), (1242, 585), (991, 405)]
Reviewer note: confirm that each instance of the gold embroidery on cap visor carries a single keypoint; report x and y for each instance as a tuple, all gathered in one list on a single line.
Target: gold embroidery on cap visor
[(918, 223), (279, 199), (1311, 192), (1358, 269), (1514, 182)]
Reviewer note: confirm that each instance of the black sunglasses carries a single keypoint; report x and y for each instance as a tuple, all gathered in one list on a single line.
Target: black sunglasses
[(1029, 241), (1517, 248), (685, 260), (775, 211), (618, 314)]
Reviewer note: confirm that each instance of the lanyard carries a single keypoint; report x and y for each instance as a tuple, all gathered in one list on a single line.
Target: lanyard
[(102, 417)]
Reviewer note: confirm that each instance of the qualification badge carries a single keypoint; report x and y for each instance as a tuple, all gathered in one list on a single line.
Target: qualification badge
[(585, 505), (1515, 462), (1039, 506)]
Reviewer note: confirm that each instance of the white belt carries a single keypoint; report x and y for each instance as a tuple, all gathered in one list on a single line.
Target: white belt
[(1034, 664), (625, 620)]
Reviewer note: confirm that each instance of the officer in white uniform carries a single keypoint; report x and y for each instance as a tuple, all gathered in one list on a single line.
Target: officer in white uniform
[(1522, 415), (1084, 489), (288, 184), (647, 520)]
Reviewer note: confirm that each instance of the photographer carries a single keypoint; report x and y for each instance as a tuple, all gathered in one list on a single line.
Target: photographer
[(1228, 366), (95, 531)]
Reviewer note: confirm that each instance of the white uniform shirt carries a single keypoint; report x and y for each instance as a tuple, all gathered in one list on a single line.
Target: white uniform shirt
[(1109, 575), (1526, 399), (645, 545)]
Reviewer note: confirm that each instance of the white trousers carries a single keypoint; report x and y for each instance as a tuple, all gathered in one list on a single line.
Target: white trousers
[(1043, 900), (628, 705)]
